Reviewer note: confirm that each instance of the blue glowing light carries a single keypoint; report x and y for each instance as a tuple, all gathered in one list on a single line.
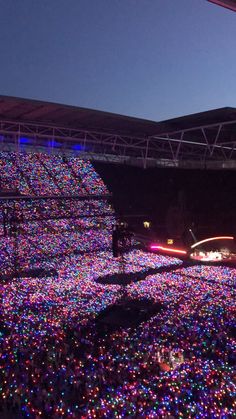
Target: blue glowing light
[(56, 144), (25, 140), (77, 147), (53, 143)]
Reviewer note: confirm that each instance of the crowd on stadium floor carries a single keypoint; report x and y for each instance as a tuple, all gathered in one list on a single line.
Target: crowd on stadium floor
[(56, 363)]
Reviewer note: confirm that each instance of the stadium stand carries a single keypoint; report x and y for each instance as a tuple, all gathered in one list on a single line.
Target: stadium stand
[(79, 225)]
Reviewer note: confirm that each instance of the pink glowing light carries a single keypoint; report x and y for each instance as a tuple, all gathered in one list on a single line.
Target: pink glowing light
[(167, 249)]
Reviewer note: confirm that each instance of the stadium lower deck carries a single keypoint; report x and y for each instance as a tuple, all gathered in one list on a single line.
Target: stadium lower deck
[(56, 363)]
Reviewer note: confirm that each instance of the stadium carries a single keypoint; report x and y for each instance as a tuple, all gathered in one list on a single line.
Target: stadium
[(101, 316)]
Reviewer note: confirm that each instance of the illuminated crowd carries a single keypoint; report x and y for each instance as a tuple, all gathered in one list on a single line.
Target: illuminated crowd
[(43, 174), (58, 362), (51, 227)]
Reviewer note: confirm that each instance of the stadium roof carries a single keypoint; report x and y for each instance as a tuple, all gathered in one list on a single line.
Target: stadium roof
[(26, 110), (34, 111), (204, 136), (229, 4)]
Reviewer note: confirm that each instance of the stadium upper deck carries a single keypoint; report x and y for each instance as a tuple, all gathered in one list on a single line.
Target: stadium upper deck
[(205, 139)]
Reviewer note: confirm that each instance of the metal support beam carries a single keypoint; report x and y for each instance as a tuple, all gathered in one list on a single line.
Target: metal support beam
[(201, 143)]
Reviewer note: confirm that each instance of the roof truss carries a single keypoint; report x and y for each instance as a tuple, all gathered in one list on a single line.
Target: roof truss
[(212, 145)]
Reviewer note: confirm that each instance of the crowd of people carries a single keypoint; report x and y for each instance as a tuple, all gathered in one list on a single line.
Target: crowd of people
[(50, 227), (180, 363), (49, 326), (57, 361), (44, 174)]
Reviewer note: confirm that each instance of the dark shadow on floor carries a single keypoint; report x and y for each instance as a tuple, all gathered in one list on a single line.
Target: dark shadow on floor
[(123, 278), (31, 273), (127, 313)]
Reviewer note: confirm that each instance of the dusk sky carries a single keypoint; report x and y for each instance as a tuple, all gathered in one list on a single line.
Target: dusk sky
[(154, 59)]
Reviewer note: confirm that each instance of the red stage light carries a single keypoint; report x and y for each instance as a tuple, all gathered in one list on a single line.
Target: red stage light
[(167, 249)]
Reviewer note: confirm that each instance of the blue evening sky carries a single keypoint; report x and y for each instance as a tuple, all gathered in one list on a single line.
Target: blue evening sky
[(154, 59)]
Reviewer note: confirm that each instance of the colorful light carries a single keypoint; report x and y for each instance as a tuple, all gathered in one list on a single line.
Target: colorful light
[(167, 249), (212, 239), (54, 360)]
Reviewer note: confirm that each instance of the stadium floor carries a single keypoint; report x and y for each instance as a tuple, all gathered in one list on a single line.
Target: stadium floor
[(180, 362)]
